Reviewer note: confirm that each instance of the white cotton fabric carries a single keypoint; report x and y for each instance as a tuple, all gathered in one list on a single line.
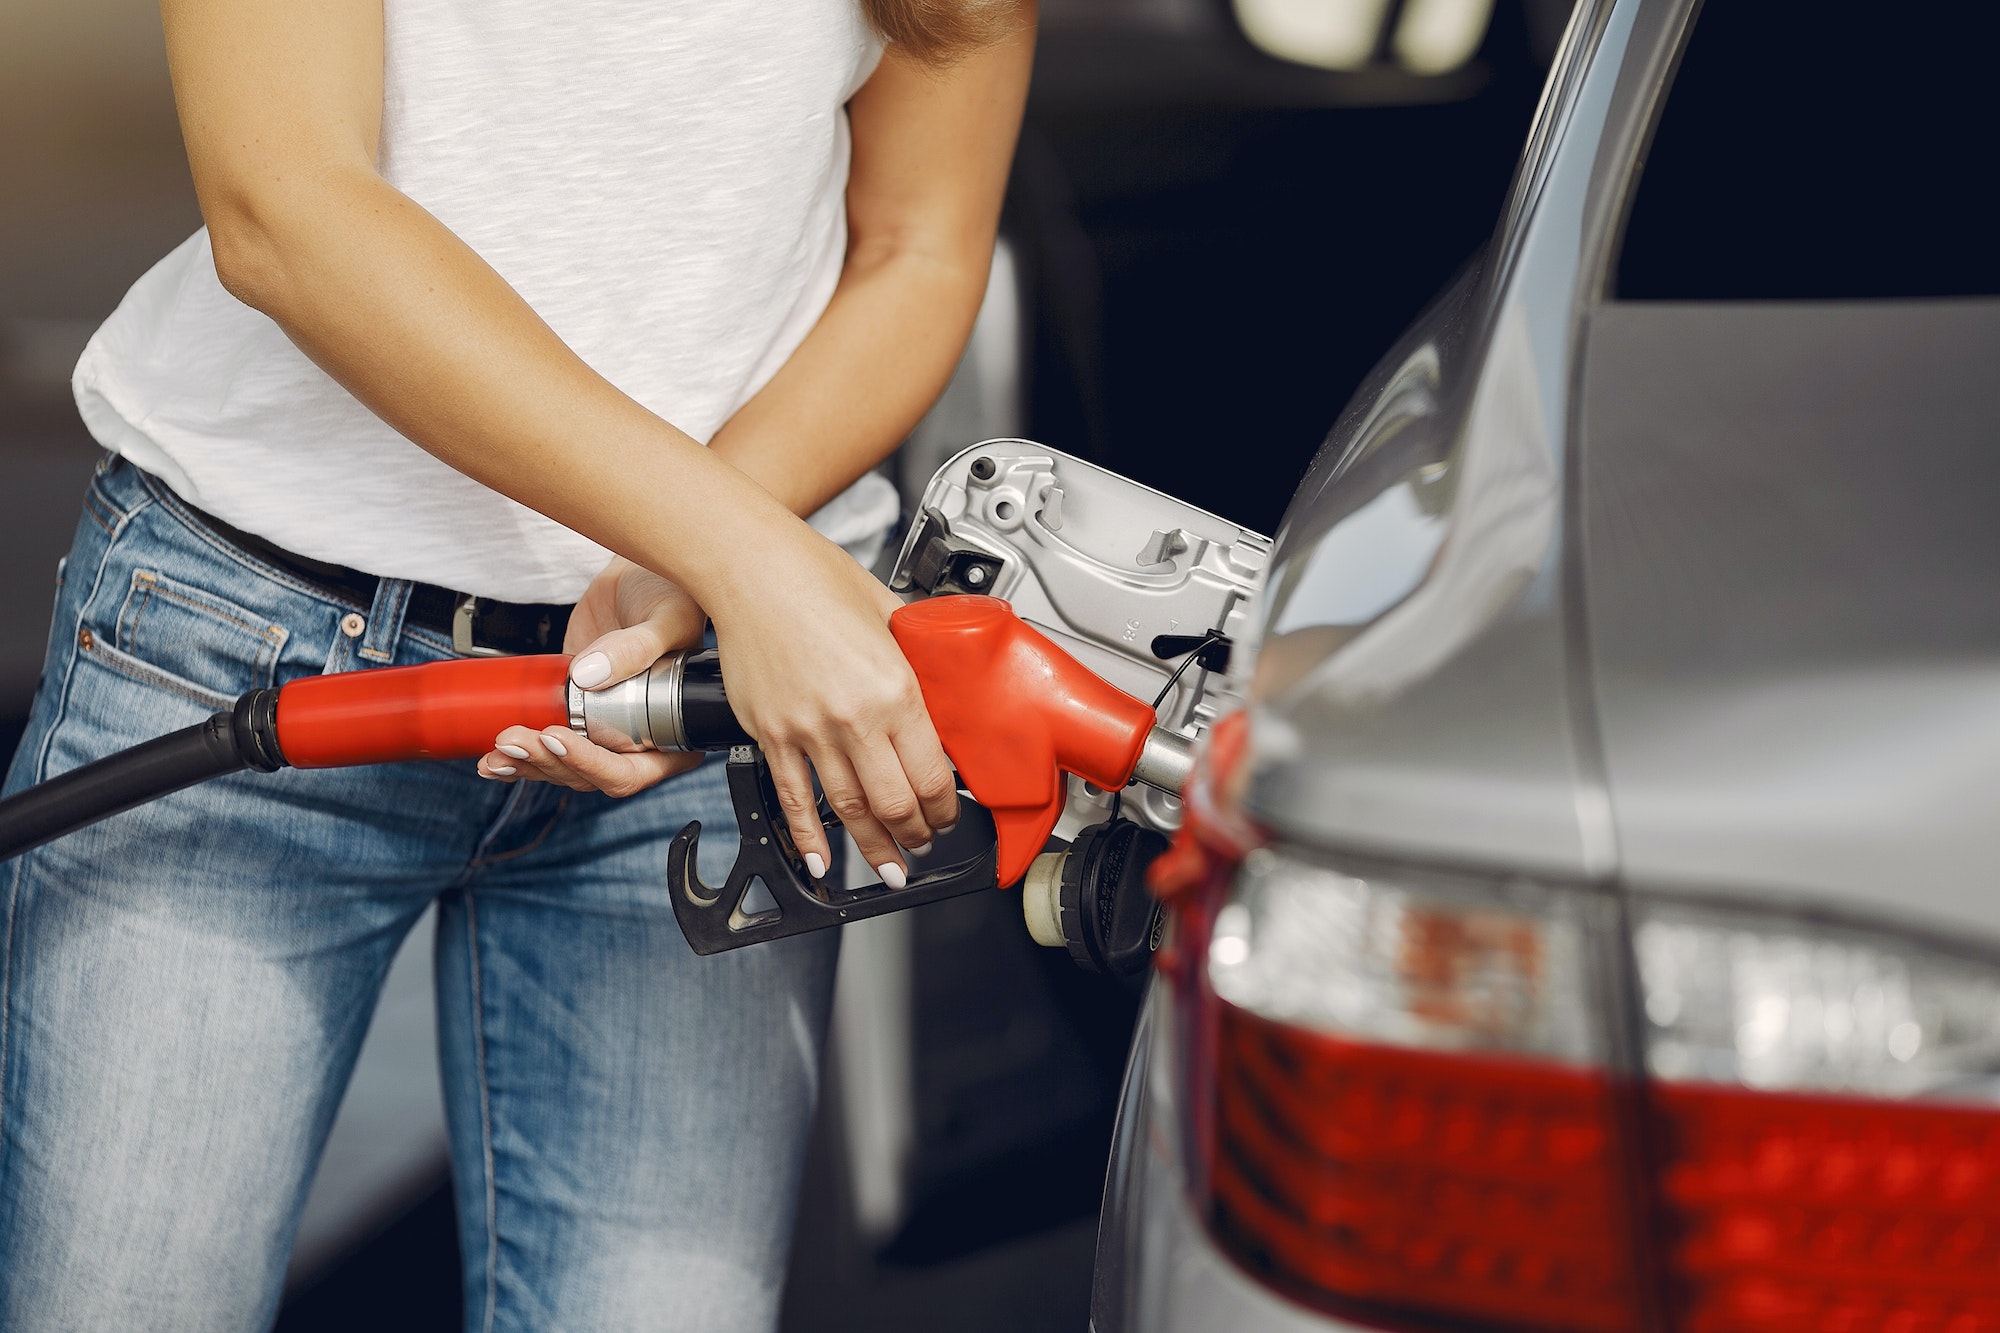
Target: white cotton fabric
[(664, 181)]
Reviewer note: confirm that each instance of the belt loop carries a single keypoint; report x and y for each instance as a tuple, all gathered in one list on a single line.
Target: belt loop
[(385, 620)]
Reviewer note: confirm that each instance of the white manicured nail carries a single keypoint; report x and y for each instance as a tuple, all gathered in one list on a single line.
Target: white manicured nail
[(892, 874), (561, 750), (590, 670), (512, 751), (946, 828), (816, 865), (921, 849), (503, 770)]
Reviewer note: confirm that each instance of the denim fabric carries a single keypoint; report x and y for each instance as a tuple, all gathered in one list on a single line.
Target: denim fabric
[(186, 986)]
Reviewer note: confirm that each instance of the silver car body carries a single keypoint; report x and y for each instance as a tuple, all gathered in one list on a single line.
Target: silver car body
[(1612, 592)]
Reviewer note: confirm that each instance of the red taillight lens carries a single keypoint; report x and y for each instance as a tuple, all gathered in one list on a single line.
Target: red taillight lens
[(1421, 1111), (1419, 1181), (1795, 1214), (1413, 1113), (1824, 1161)]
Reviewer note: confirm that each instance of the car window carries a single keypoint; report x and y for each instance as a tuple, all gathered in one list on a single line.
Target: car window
[(1823, 150)]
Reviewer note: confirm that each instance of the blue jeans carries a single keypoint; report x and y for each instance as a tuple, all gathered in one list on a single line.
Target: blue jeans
[(187, 984)]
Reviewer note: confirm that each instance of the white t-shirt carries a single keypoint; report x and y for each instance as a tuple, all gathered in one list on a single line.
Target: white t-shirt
[(663, 181)]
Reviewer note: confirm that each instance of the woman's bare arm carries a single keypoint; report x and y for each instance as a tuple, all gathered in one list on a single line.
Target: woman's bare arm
[(932, 149), (281, 111)]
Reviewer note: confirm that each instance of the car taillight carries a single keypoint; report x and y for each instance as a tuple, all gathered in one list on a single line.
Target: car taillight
[(1415, 1110), (1432, 1102), (1826, 1134)]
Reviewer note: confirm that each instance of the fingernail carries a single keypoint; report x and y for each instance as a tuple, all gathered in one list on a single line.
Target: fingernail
[(892, 874), (816, 865), (503, 770), (946, 828), (561, 750), (512, 751), (921, 849), (590, 669)]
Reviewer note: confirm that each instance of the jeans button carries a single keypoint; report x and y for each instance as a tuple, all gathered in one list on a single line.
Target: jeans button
[(352, 624)]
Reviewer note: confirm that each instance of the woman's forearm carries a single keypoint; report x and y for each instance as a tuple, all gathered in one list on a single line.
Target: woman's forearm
[(412, 322), (931, 150), (870, 369)]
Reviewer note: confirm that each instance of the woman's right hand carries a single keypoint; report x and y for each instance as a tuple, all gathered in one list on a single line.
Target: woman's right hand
[(816, 677)]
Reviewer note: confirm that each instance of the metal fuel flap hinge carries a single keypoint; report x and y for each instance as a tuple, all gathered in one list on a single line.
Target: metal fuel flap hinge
[(936, 564)]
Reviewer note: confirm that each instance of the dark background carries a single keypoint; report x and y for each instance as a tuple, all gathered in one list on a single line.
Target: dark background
[(1216, 246)]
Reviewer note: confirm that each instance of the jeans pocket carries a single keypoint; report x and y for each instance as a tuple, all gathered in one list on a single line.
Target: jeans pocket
[(187, 640)]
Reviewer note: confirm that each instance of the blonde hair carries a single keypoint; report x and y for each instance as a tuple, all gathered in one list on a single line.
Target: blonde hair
[(938, 31)]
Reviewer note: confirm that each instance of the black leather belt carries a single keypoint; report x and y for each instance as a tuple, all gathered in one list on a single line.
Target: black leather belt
[(476, 626)]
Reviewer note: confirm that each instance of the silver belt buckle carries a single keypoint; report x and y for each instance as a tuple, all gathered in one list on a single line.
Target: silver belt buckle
[(462, 618)]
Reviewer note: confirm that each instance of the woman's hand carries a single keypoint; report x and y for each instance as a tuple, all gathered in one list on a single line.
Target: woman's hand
[(627, 620), (814, 675)]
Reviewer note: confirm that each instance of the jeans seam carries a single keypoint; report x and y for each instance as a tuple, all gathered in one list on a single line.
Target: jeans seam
[(7, 1006), (146, 673), (485, 1115), (105, 511), (61, 710), (148, 584), (37, 772), (272, 635), (90, 508)]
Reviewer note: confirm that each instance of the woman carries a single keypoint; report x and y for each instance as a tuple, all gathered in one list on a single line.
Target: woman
[(478, 282)]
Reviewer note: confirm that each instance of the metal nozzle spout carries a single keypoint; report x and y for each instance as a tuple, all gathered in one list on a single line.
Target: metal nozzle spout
[(1165, 761)]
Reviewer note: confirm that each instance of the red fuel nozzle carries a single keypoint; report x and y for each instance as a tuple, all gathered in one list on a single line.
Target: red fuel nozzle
[(1015, 713), (440, 710)]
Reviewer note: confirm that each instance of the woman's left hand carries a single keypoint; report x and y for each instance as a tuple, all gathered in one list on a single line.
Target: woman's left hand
[(627, 620)]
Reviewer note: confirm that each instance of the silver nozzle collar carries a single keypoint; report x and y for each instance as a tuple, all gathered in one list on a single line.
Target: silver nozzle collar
[(616, 716), (1165, 761), (643, 713), (663, 701)]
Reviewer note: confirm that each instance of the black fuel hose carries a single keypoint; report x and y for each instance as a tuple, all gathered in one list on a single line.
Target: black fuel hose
[(437, 710), (244, 737)]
